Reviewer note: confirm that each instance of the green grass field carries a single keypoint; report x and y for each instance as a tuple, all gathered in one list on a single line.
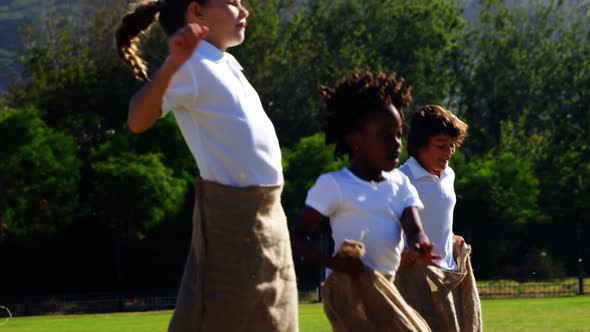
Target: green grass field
[(550, 314)]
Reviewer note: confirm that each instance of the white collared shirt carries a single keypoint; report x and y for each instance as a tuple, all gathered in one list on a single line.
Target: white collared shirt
[(438, 196), (368, 212), (222, 120)]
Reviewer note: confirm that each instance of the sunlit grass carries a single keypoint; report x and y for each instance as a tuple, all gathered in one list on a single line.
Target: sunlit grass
[(548, 314)]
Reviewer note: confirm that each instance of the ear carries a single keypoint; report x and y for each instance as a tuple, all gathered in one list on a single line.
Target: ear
[(194, 12)]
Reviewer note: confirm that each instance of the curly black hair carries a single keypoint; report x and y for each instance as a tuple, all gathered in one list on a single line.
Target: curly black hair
[(357, 98)]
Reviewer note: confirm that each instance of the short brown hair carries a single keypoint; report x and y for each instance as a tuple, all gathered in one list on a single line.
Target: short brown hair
[(432, 120)]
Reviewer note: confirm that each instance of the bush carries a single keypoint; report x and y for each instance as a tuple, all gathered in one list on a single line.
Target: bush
[(39, 176)]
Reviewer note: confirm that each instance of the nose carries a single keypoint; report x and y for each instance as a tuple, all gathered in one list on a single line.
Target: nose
[(244, 13)]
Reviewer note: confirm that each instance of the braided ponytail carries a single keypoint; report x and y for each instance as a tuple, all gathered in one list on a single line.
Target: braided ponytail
[(127, 35)]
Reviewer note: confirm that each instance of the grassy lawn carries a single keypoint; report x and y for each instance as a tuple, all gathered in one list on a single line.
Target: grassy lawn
[(553, 314), (550, 314)]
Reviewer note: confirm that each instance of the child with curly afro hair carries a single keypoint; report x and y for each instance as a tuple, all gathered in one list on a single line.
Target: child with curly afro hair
[(368, 202)]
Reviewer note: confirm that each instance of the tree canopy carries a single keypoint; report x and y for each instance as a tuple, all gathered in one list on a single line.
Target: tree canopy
[(519, 75)]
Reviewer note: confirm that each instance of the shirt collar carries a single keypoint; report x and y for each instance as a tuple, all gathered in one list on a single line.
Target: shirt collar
[(208, 51), (419, 172)]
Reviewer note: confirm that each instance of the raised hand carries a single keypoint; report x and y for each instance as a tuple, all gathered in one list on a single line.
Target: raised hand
[(183, 43)]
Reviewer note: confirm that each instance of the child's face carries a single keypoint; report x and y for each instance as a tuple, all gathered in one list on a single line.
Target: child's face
[(380, 143), (435, 156), (226, 20)]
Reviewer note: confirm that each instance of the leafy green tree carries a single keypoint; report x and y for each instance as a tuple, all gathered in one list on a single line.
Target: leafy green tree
[(72, 73), (293, 47), (524, 60), (81, 88), (133, 193), (523, 89), (163, 138), (498, 199), (503, 185), (39, 176), (496, 194)]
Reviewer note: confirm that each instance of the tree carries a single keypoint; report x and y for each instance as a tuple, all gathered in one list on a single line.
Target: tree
[(135, 192), (523, 60), (498, 198), (503, 185), (39, 175), (164, 138), (523, 88), (72, 73), (293, 47)]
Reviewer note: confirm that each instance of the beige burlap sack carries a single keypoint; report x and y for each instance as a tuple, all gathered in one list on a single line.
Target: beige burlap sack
[(239, 275), (447, 300), (368, 302)]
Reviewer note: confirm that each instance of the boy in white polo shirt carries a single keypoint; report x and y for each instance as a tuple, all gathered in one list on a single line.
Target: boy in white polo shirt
[(369, 201), (239, 275), (453, 303)]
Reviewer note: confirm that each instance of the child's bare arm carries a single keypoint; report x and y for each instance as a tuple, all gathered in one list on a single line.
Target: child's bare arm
[(307, 222), (144, 109), (419, 246)]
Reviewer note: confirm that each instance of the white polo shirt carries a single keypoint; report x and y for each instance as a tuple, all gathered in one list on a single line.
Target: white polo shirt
[(438, 196), (368, 212), (222, 120)]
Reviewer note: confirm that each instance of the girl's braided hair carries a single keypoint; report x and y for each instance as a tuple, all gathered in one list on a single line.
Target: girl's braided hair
[(170, 15)]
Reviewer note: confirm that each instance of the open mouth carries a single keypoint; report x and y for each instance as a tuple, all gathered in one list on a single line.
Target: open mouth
[(242, 25)]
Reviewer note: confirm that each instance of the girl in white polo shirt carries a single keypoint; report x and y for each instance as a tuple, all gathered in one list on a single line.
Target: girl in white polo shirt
[(369, 201), (452, 304), (239, 274)]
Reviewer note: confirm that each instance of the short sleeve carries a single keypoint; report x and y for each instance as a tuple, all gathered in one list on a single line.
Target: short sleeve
[(412, 197), (182, 90), (324, 196)]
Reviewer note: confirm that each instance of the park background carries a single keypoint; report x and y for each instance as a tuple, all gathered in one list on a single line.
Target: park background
[(89, 210)]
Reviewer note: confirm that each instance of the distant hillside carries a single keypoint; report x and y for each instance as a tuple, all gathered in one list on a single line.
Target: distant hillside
[(14, 15), (18, 13)]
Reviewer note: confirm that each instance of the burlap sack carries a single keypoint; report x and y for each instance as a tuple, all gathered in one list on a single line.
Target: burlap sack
[(239, 275), (448, 301), (368, 302)]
